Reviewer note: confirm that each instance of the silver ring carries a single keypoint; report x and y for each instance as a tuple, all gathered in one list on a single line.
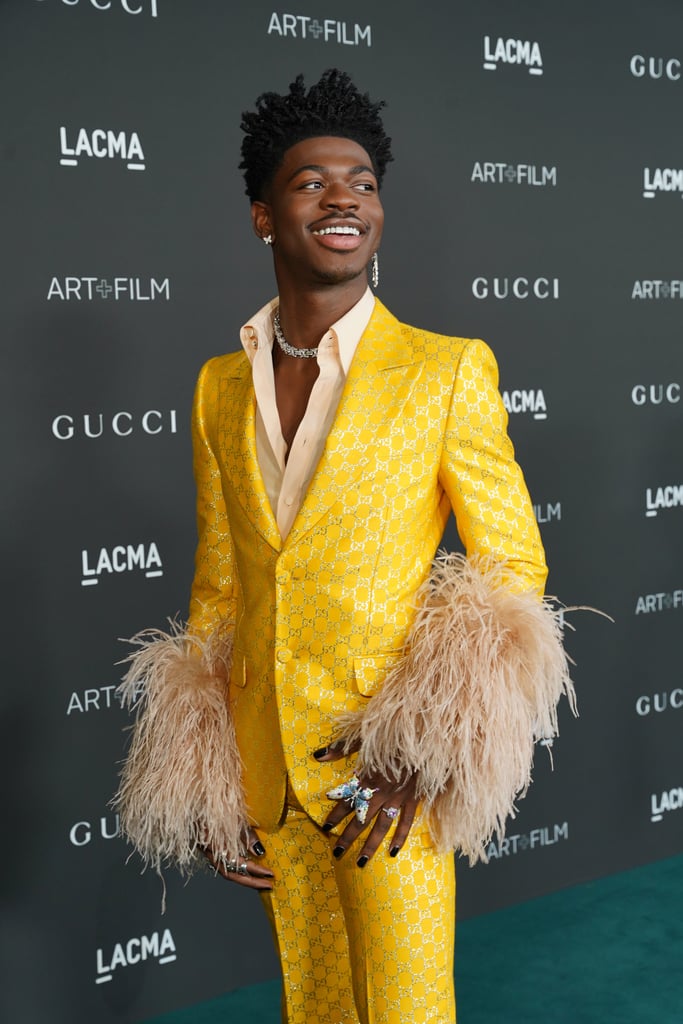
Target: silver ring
[(392, 812), (231, 866), (242, 868)]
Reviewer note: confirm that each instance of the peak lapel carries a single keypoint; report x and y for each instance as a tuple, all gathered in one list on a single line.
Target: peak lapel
[(237, 435), (381, 377)]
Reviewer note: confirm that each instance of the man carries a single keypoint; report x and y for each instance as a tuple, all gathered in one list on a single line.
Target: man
[(336, 718)]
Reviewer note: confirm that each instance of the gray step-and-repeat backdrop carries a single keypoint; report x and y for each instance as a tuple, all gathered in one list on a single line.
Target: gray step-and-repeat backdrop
[(535, 201)]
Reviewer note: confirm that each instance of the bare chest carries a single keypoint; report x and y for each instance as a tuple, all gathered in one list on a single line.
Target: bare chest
[(293, 387)]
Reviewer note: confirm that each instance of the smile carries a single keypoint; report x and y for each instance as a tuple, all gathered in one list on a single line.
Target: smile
[(339, 230)]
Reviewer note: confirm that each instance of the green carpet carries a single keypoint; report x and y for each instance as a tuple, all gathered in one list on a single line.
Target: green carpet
[(609, 952)]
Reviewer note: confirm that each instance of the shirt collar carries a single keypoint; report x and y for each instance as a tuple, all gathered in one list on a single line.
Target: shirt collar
[(347, 331)]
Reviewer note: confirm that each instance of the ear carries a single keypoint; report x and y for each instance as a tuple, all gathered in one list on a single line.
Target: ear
[(261, 219)]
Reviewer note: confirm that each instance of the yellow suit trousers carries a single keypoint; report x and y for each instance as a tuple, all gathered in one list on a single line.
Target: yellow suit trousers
[(370, 945)]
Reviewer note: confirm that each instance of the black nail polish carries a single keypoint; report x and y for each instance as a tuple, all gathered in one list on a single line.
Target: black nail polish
[(327, 827), (258, 849), (362, 861), (338, 851), (394, 850), (320, 753)]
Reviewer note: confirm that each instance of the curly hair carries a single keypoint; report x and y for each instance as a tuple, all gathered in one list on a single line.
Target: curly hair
[(333, 106)]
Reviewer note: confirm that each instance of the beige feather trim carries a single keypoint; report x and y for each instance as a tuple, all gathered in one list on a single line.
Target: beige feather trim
[(482, 674), (181, 781)]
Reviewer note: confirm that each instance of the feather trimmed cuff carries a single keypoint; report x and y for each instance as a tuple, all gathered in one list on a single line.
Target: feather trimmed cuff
[(483, 672), (181, 781)]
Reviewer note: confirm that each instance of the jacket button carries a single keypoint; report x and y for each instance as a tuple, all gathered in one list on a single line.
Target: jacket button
[(284, 655)]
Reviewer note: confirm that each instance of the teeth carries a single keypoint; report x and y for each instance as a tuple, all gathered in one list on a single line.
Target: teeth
[(339, 230)]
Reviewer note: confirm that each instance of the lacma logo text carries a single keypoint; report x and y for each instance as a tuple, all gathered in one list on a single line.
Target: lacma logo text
[(532, 401), (522, 52), (661, 803), (658, 179), (101, 144), (122, 558), (134, 951), (657, 498)]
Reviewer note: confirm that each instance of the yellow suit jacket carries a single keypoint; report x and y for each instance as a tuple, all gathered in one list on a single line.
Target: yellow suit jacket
[(321, 617)]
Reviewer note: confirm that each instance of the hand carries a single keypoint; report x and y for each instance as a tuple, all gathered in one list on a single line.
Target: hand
[(389, 794), (258, 875)]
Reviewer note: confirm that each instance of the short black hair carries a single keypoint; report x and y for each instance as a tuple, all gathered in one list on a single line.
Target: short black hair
[(333, 106)]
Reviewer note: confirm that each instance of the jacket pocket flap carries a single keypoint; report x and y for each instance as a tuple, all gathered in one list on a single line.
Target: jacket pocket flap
[(238, 671)]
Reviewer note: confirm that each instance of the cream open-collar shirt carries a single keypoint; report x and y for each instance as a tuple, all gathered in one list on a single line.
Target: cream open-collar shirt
[(286, 477)]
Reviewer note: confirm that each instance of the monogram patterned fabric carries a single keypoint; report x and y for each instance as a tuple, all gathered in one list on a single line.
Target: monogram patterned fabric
[(379, 939), (320, 618)]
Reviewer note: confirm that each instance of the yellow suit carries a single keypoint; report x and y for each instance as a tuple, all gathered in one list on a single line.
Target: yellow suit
[(320, 618), (446, 671)]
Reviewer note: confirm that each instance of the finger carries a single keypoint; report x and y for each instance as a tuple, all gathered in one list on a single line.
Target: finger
[(383, 823), (404, 826), (254, 843), (340, 811), (343, 808), (220, 866), (352, 831), (247, 882), (335, 751), (258, 876)]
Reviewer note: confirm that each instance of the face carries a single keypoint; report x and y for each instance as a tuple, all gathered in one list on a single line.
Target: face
[(323, 211)]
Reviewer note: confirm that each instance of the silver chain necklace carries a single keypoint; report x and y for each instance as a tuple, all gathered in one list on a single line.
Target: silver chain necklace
[(298, 353)]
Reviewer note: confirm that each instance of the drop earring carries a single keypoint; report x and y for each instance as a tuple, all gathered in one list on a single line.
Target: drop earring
[(374, 270), (268, 239)]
